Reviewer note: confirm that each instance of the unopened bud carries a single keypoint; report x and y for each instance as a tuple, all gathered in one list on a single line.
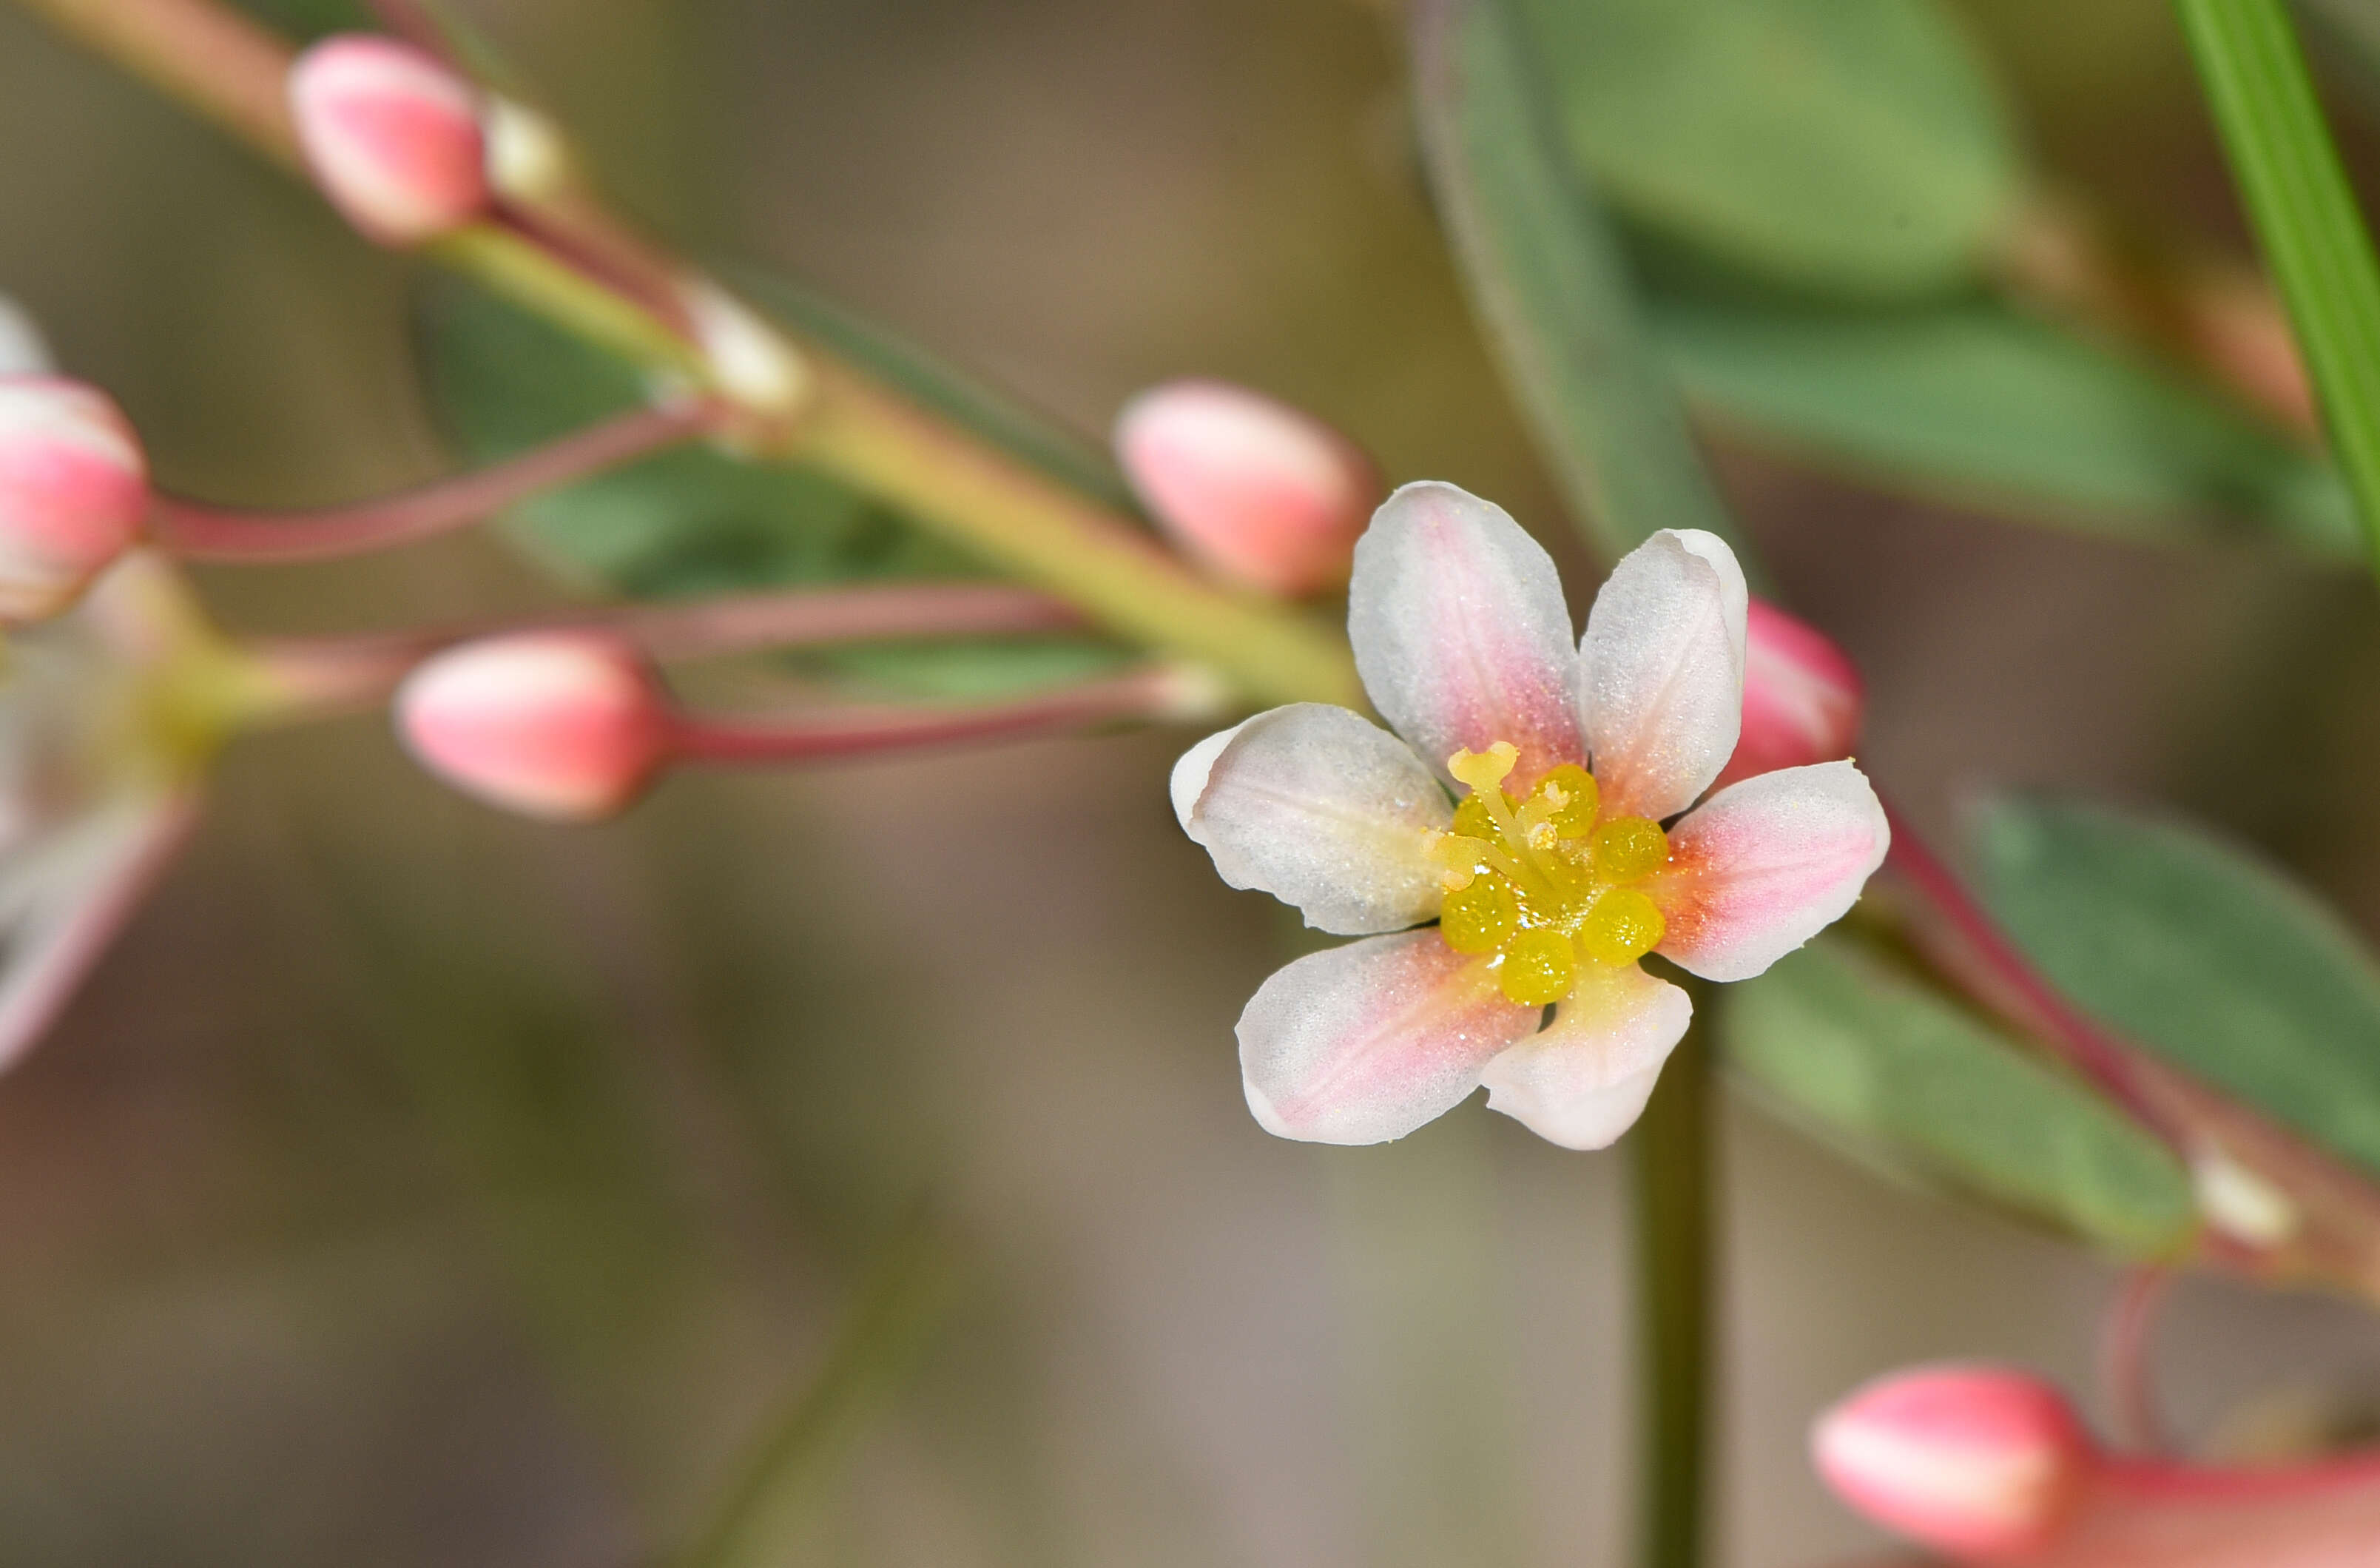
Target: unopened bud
[(1803, 699), (1976, 1462), (1263, 495), (74, 487), (392, 137), (566, 724)]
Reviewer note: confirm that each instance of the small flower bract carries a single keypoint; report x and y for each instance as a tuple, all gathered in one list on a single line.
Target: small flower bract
[(1533, 810)]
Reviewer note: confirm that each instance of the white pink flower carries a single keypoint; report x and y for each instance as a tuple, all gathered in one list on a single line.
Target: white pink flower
[(1551, 875)]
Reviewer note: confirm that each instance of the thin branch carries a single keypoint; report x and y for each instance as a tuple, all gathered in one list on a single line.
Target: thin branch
[(843, 734), (198, 532)]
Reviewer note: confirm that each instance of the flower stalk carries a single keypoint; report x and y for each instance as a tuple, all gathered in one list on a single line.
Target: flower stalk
[(1674, 1159), (199, 532), (847, 422)]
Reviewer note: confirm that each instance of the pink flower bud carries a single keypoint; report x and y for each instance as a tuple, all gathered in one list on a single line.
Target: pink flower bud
[(392, 135), (1264, 495), (568, 724), (1976, 1462), (74, 487), (1802, 701)]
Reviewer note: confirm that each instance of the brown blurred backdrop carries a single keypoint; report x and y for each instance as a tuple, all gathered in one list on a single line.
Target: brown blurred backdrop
[(418, 1186)]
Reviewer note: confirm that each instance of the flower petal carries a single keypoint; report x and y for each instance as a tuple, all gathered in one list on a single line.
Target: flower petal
[(1365, 1042), (1764, 866), (63, 898), (1661, 688), (1584, 1080), (1323, 809), (1460, 631)]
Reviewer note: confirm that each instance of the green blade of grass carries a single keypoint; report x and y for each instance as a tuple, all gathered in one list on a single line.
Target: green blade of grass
[(2304, 214)]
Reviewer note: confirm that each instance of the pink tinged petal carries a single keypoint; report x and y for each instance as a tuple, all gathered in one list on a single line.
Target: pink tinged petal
[(1662, 672), (1802, 698), (1584, 1080), (63, 899), (1764, 866), (1460, 631), (1265, 494), (1368, 1041), (1324, 810)]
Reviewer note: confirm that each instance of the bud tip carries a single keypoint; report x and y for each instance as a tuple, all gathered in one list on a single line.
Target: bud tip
[(392, 135), (1975, 1461), (74, 489), (1264, 495), (564, 725)]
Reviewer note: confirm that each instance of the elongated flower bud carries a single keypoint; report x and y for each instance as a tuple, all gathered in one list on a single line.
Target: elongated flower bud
[(1263, 495), (392, 137), (1802, 701), (74, 486), (1976, 1462), (564, 725)]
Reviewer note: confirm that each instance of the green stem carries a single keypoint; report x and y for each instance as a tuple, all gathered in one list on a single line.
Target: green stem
[(760, 1520), (1672, 1148), (847, 422), (2304, 214)]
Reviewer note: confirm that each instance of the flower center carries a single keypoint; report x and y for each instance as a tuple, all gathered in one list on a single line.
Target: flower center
[(1543, 881)]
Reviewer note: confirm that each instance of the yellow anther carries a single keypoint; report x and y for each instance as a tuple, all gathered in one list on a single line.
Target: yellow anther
[(1478, 917), (1483, 770), (1570, 790), (1629, 848), (1472, 819), (1623, 926), (1539, 967)]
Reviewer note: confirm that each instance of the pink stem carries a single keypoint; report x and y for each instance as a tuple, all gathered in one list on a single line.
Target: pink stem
[(2086, 1047), (208, 533), (410, 20), (339, 675), (2127, 1357), (844, 733)]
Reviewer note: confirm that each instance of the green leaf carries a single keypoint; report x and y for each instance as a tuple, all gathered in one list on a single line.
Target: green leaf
[(2199, 952), (694, 522), (2305, 217), (1907, 1078), (1854, 147), (1971, 401), (1550, 285)]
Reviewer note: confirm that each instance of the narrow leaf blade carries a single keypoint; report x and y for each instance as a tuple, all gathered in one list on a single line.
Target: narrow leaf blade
[(1876, 1059)]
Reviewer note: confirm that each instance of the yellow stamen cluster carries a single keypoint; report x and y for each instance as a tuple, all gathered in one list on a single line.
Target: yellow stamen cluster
[(1540, 882)]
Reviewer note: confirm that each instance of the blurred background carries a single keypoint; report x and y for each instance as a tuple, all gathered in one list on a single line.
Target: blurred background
[(417, 1186)]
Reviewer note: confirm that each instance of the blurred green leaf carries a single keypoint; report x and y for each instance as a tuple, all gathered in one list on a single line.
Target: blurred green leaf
[(1855, 147), (1972, 401), (1905, 1077), (2305, 213), (694, 522), (1550, 285), (2199, 952)]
